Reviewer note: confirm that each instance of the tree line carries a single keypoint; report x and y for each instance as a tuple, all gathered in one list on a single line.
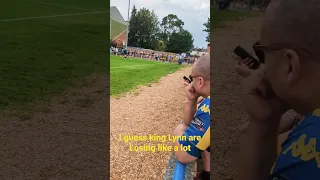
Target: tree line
[(146, 31)]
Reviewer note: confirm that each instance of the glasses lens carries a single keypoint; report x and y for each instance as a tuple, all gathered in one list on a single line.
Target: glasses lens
[(190, 78)]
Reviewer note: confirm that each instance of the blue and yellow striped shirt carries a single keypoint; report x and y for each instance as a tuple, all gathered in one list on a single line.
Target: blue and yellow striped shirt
[(200, 126), (299, 157)]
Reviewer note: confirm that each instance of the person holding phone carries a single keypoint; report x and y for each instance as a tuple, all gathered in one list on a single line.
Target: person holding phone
[(288, 120), (196, 121), (289, 79)]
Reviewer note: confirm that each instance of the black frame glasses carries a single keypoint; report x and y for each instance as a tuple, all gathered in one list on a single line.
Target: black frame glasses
[(192, 77), (259, 49)]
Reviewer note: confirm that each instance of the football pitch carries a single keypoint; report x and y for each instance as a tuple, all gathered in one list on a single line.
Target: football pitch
[(126, 75), (49, 45)]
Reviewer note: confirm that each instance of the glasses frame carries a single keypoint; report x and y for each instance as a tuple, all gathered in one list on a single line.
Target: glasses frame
[(261, 48), (196, 76)]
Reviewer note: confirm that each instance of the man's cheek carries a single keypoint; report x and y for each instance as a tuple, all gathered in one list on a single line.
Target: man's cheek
[(268, 73), (271, 71), (271, 79)]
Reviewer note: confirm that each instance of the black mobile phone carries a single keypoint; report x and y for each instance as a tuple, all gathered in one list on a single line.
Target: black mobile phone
[(186, 79), (243, 54)]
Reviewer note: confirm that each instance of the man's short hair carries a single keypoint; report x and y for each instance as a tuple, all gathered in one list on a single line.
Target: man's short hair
[(293, 22), (202, 66)]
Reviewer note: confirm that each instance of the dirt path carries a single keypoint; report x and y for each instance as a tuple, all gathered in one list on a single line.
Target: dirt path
[(155, 110), (228, 114), (63, 139), (66, 138)]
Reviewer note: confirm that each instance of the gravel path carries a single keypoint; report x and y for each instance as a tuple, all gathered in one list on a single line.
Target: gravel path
[(154, 110), (228, 114), (63, 139)]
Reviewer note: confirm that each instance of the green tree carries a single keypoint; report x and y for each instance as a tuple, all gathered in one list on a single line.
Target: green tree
[(171, 23), (179, 42), (133, 28), (207, 29), (164, 37), (144, 29), (161, 46)]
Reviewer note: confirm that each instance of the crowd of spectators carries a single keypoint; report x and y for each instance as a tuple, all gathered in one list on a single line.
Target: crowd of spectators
[(152, 55)]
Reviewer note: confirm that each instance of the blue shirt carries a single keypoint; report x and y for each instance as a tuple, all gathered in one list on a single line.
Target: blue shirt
[(200, 126), (299, 157)]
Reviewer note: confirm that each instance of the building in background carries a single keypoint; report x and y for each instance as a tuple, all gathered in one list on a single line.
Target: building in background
[(197, 52), (118, 27)]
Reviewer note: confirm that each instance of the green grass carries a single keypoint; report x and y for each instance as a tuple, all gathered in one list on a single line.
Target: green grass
[(116, 29), (219, 17), (42, 57), (126, 75)]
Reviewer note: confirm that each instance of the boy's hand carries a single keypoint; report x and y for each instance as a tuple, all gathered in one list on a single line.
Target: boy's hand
[(261, 103), (242, 69), (190, 91)]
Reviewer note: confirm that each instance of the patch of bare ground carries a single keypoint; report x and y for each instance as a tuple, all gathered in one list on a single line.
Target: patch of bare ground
[(62, 138), (156, 109), (228, 112)]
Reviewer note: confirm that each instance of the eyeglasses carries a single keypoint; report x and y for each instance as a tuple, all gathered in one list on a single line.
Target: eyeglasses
[(260, 49), (192, 77)]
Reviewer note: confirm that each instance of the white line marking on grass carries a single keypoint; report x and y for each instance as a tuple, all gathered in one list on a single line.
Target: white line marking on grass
[(119, 67), (52, 16), (59, 5)]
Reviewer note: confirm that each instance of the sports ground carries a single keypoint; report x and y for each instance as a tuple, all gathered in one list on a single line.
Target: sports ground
[(53, 92), (127, 74), (48, 45)]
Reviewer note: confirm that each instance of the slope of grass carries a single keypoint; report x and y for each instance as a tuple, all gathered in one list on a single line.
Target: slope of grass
[(96, 5), (42, 57), (126, 75), (219, 17)]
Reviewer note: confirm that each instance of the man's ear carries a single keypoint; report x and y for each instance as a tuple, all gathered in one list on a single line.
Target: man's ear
[(293, 67), (202, 81)]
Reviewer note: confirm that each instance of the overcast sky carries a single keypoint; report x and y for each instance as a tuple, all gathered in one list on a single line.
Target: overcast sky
[(192, 12)]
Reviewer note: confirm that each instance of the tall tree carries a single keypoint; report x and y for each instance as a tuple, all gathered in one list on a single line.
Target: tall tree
[(207, 29), (145, 27), (171, 23), (179, 42), (133, 28)]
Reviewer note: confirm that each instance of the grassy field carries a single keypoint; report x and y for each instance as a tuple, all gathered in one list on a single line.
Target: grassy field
[(218, 17), (47, 45), (126, 75)]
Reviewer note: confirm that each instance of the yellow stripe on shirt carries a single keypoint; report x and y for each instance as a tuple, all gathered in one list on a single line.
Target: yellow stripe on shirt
[(204, 142)]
